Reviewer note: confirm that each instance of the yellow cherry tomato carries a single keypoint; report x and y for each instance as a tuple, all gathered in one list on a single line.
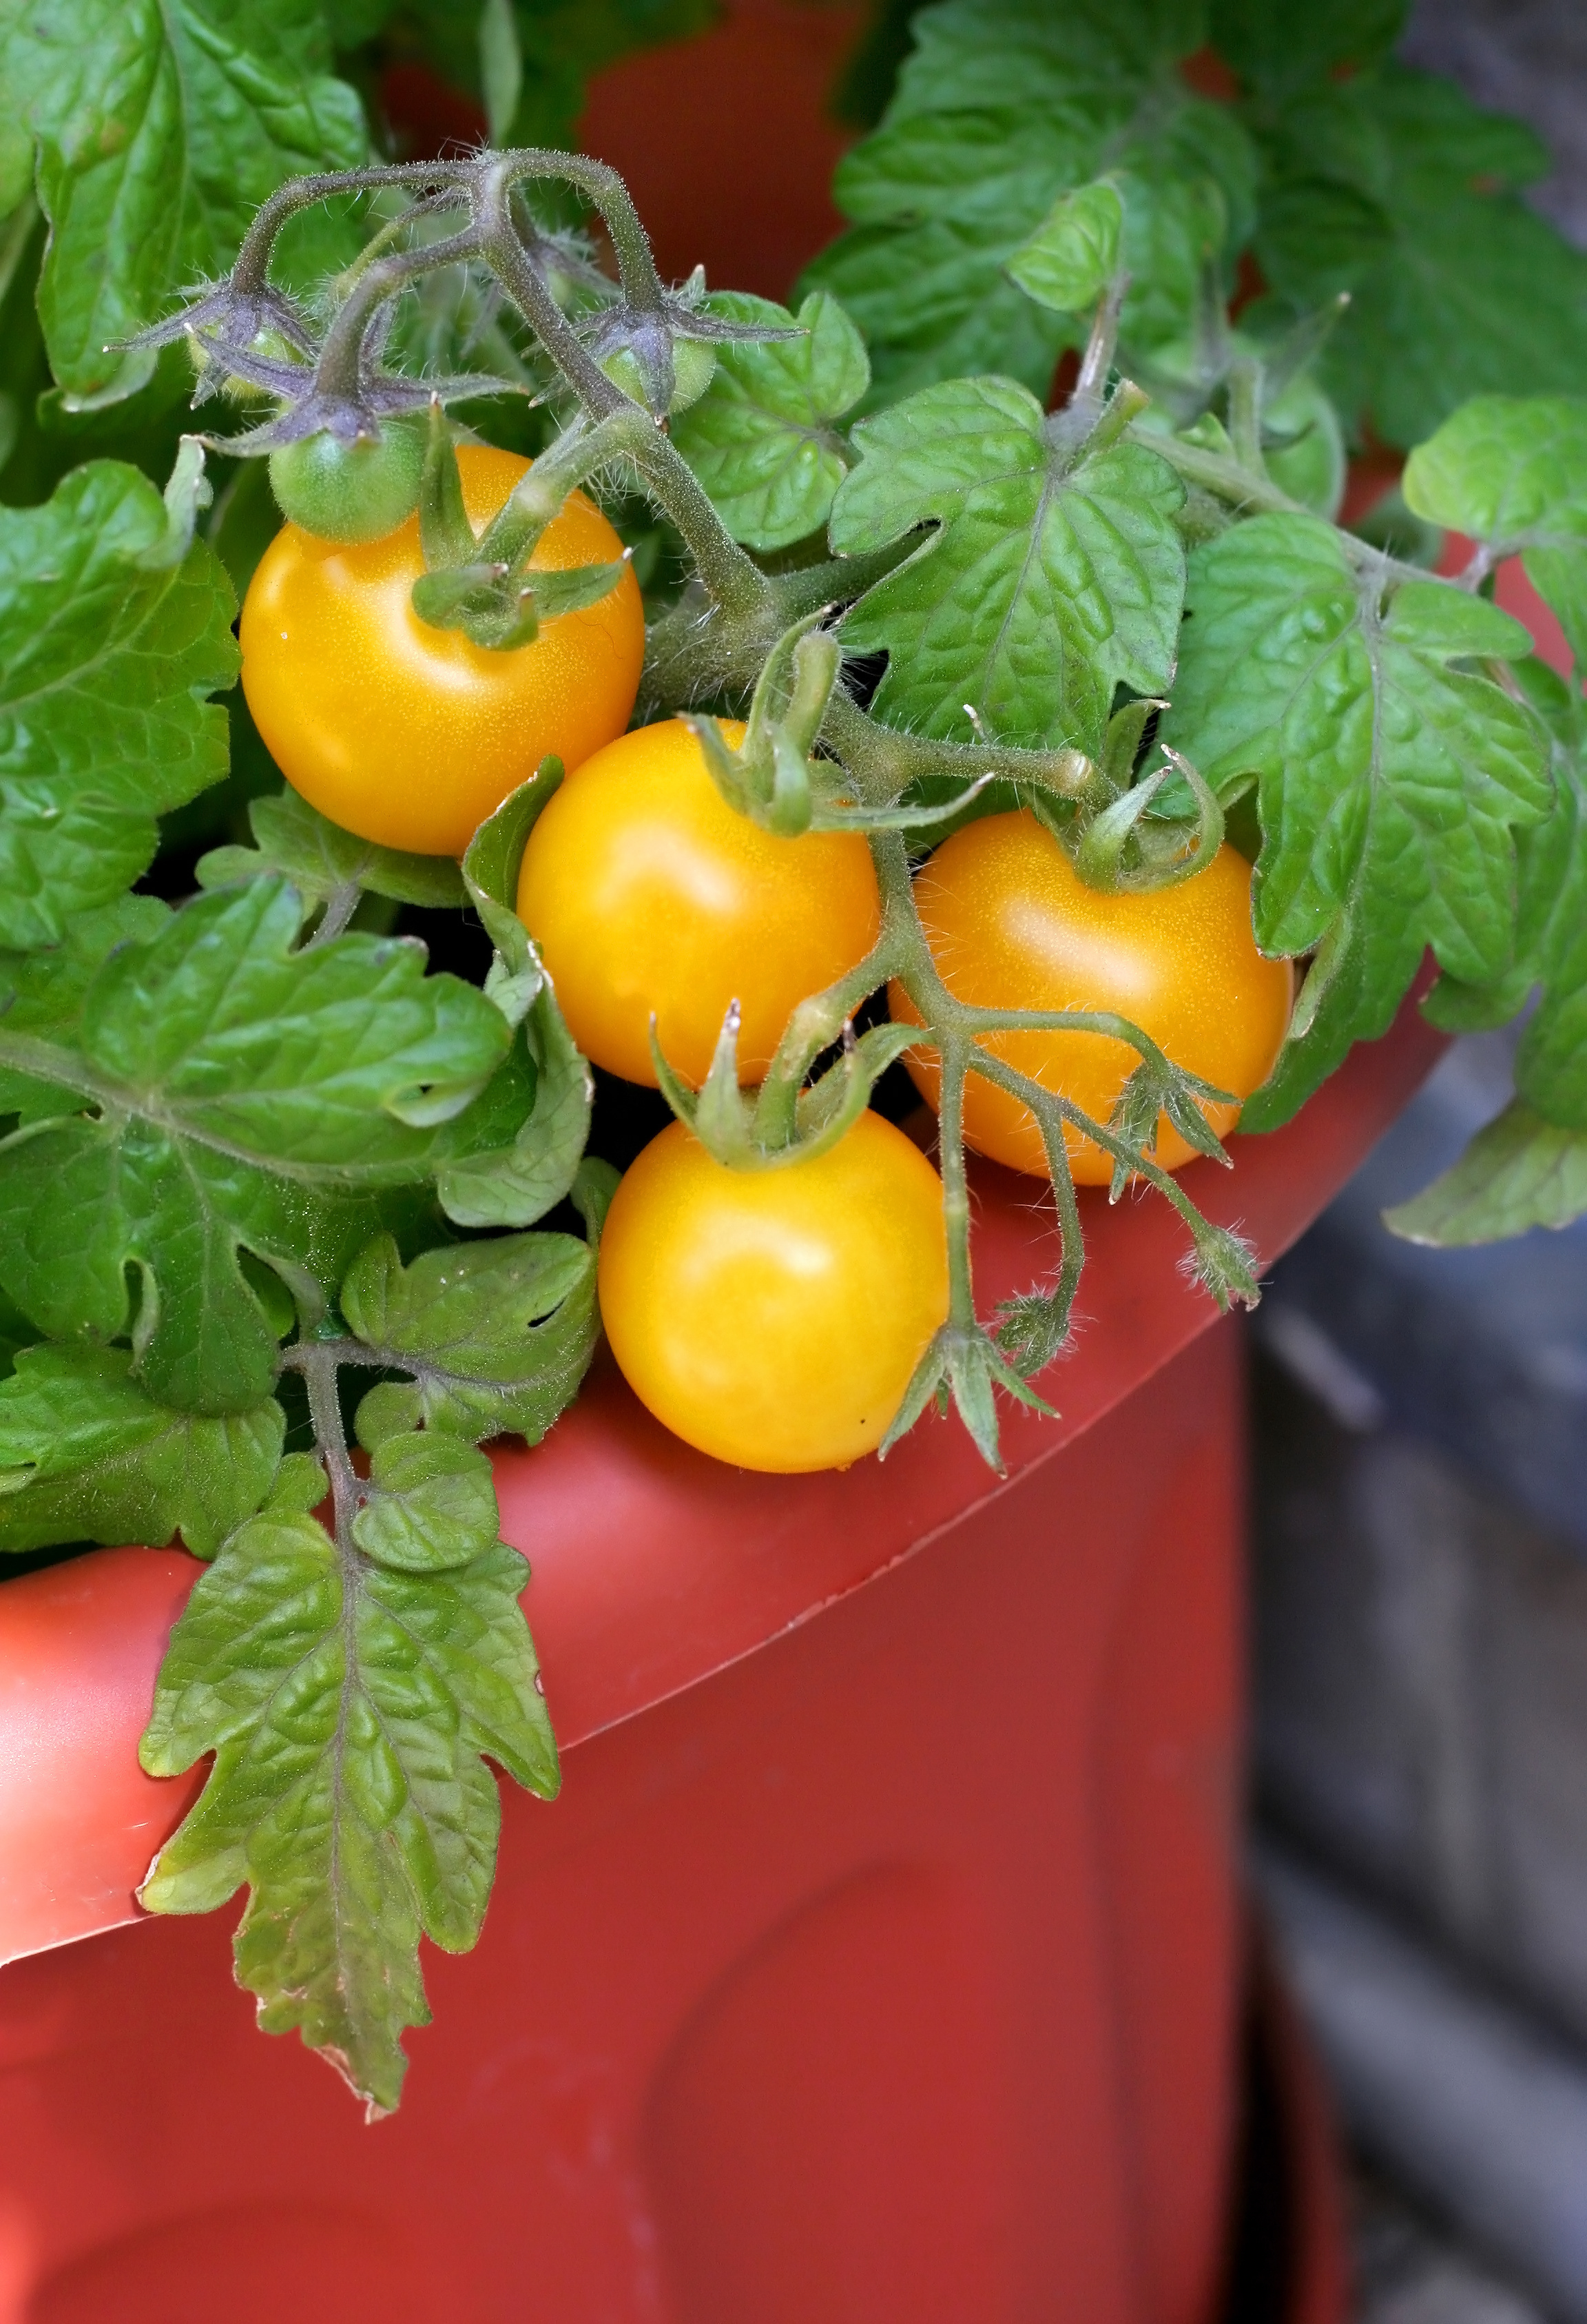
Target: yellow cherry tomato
[(773, 1318), (646, 891), (1013, 925), (409, 735)]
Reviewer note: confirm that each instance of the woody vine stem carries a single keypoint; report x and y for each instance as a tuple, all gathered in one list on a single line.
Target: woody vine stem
[(812, 751)]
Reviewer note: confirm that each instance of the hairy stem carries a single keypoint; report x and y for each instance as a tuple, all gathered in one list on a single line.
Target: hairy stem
[(813, 1027), (317, 1361)]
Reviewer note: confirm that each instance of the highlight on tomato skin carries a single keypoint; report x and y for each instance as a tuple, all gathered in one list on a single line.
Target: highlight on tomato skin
[(773, 1318), (1012, 925), (409, 736), (646, 891)]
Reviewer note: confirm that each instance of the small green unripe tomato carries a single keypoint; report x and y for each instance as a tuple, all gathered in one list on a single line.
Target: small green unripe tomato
[(352, 492), (694, 362)]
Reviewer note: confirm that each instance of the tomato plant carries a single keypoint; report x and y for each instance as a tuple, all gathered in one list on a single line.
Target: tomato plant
[(648, 896), (408, 734), (773, 1318), (253, 1150), (1012, 925)]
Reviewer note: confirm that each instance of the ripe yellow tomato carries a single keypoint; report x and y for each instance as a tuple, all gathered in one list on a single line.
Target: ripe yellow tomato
[(1013, 925), (773, 1318), (409, 735), (644, 891)]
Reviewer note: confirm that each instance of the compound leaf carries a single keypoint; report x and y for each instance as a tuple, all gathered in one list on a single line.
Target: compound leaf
[(1074, 253), (1052, 579), (1004, 106), (42, 993), (1511, 471), (1391, 780), (322, 861), (105, 661), (161, 125), (350, 1707), (249, 1098), (86, 1454), (431, 1503), (1519, 1172), (496, 1335), (1394, 186), (514, 1176), (761, 439)]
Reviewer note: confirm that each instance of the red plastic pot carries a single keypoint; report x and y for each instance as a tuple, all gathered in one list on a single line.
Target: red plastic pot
[(880, 1960)]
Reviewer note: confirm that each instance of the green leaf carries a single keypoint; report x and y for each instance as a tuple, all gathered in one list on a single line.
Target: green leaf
[(1519, 1172), (431, 1504), (1511, 471), (761, 439), (105, 661), (513, 1179), (1394, 186), (1391, 780), (1550, 951), (1051, 580), (87, 1455), (249, 1098), (161, 125), (496, 1334), (42, 993), (1074, 253), (324, 862), (350, 1709), (1003, 108), (1277, 47)]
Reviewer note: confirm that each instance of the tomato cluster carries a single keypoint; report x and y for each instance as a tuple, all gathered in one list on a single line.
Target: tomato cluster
[(771, 1316)]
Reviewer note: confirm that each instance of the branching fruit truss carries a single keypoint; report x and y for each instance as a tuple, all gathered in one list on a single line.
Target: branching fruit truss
[(273, 1262)]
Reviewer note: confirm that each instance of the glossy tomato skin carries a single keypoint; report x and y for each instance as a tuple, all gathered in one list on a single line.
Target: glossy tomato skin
[(773, 1318), (644, 891), (1012, 925), (410, 735)]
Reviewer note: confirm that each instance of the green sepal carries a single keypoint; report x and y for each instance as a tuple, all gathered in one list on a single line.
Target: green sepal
[(968, 1365), (731, 1122)]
